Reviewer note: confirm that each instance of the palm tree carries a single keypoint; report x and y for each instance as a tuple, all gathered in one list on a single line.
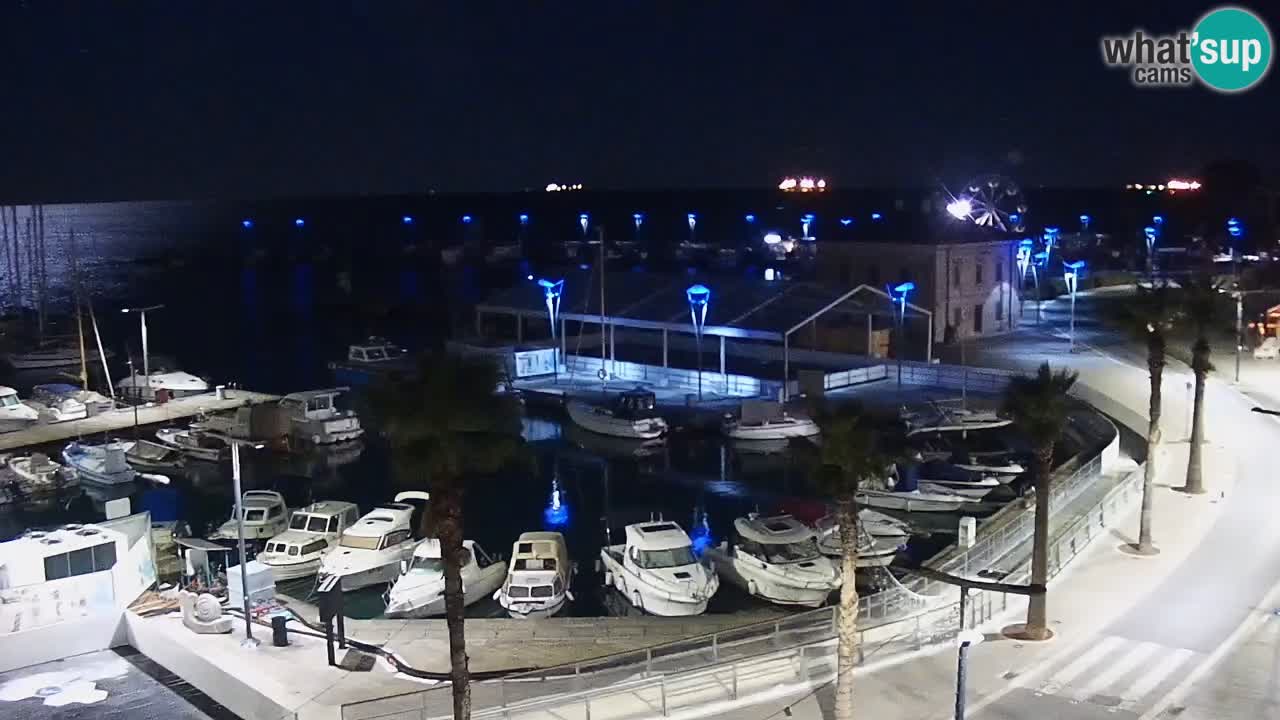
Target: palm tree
[(1038, 406), (1200, 298), (1149, 317), (849, 455), (446, 426)]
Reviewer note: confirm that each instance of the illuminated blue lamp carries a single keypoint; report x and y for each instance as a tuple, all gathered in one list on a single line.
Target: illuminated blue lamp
[(772, 238), (693, 220), (466, 219), (1085, 219), (1150, 234), (1051, 232), (1024, 256), (1042, 258), (299, 222), (1232, 221), (246, 223), (900, 292), (556, 513), (699, 297), (524, 218), (1234, 228), (846, 221), (551, 293), (1015, 217), (407, 219), (638, 217), (877, 216), (1071, 274), (1157, 219), (583, 220), (750, 218), (700, 537)]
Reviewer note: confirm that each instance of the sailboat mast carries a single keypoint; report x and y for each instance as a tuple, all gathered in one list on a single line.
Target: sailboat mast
[(76, 294), (604, 374)]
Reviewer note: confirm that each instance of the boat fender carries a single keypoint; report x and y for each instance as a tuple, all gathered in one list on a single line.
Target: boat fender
[(569, 595), (608, 578), (599, 566), (637, 600), (497, 593)]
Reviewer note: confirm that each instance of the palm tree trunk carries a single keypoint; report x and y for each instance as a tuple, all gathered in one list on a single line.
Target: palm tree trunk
[(1200, 366), (449, 527), (1155, 363), (1037, 627), (847, 617)]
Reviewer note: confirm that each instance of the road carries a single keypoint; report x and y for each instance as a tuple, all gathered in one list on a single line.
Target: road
[(1145, 663)]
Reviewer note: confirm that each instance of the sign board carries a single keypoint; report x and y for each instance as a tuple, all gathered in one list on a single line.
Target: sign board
[(531, 363)]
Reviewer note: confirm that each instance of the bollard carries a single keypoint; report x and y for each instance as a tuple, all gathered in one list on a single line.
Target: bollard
[(279, 634)]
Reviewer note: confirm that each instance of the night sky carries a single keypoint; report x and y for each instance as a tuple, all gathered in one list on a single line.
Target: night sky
[(172, 99)]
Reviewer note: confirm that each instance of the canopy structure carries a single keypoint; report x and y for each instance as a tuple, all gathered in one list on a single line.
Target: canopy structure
[(738, 307)]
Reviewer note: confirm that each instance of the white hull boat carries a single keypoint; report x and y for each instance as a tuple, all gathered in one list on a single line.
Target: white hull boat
[(175, 383), (59, 356), (1004, 473), (940, 418), (147, 455), (315, 418), (38, 474), (613, 421), (776, 559), (537, 582), (419, 591), (912, 500), (103, 464), (265, 515), (768, 421), (877, 524), (657, 572), (370, 552), (15, 414), (872, 551), (195, 443), (975, 490), (296, 552)]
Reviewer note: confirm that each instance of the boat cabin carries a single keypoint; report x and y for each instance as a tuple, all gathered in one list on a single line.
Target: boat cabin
[(777, 540), (375, 350), (539, 567), (314, 416), (264, 516), (383, 527), (658, 545), (325, 518), (635, 404)]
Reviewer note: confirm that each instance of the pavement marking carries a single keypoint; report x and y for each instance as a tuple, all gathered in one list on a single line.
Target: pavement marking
[(1105, 679), (1256, 618), (1152, 678), (1082, 663)]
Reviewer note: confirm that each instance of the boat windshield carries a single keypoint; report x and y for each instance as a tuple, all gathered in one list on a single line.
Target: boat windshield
[(9, 400), (360, 542), (671, 557), (310, 523), (791, 552), (251, 515), (426, 566)]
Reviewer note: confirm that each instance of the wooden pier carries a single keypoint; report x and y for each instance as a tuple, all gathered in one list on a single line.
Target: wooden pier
[(122, 418)]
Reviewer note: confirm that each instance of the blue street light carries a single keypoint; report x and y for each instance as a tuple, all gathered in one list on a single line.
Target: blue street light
[(1071, 274), (749, 218), (638, 218), (877, 216), (1234, 228), (466, 219), (524, 218), (246, 223), (406, 220), (899, 294), (693, 220), (805, 223), (583, 220), (556, 513), (699, 297), (846, 221), (551, 292), (1084, 223), (1157, 219), (299, 222)]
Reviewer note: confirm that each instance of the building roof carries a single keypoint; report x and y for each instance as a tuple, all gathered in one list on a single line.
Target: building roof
[(738, 308)]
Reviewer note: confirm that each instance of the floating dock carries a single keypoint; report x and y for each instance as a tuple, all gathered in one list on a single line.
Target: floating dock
[(123, 418)]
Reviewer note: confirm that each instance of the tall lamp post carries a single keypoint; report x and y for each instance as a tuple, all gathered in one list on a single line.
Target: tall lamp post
[(146, 357), (249, 641), (699, 297), (966, 639), (1236, 231), (1071, 274), (1024, 264), (899, 294), (1040, 259), (551, 293), (1084, 223), (1150, 234)]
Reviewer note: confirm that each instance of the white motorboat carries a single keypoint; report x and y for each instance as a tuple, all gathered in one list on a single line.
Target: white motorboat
[(367, 359), (54, 355), (767, 421), (105, 464), (941, 476), (15, 414), (1004, 471), (657, 571), (776, 559), (632, 414), (147, 455), (940, 418), (872, 522), (873, 550), (198, 444), (296, 552), (370, 552), (59, 402), (914, 500), (537, 582), (175, 383), (38, 474), (314, 417), (419, 592), (265, 516)]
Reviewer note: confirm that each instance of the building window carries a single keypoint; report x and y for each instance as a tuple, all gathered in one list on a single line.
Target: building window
[(977, 318), (977, 273), (1000, 271)]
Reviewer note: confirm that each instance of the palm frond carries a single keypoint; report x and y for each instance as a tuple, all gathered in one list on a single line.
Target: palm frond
[(1038, 403)]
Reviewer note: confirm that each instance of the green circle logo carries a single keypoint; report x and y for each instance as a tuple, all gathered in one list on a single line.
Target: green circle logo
[(1231, 49)]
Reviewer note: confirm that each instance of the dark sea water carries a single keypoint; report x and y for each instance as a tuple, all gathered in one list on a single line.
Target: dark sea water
[(269, 306)]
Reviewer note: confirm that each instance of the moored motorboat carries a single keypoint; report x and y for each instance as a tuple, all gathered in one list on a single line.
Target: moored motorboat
[(105, 464), (296, 552), (37, 474), (315, 418), (763, 421), (370, 551), (174, 383), (631, 414), (905, 494), (147, 455), (941, 476), (419, 591), (537, 582), (264, 513), (15, 414), (59, 402), (873, 550), (657, 572), (195, 443), (940, 418), (776, 559)]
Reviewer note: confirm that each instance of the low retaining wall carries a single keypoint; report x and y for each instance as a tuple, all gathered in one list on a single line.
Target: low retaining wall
[(99, 631)]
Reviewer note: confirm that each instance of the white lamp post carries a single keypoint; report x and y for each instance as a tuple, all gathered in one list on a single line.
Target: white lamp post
[(146, 357), (551, 293), (249, 641), (699, 296), (966, 639), (1071, 274), (899, 294)]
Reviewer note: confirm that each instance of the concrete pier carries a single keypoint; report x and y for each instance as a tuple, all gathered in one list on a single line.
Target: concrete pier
[(121, 418)]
